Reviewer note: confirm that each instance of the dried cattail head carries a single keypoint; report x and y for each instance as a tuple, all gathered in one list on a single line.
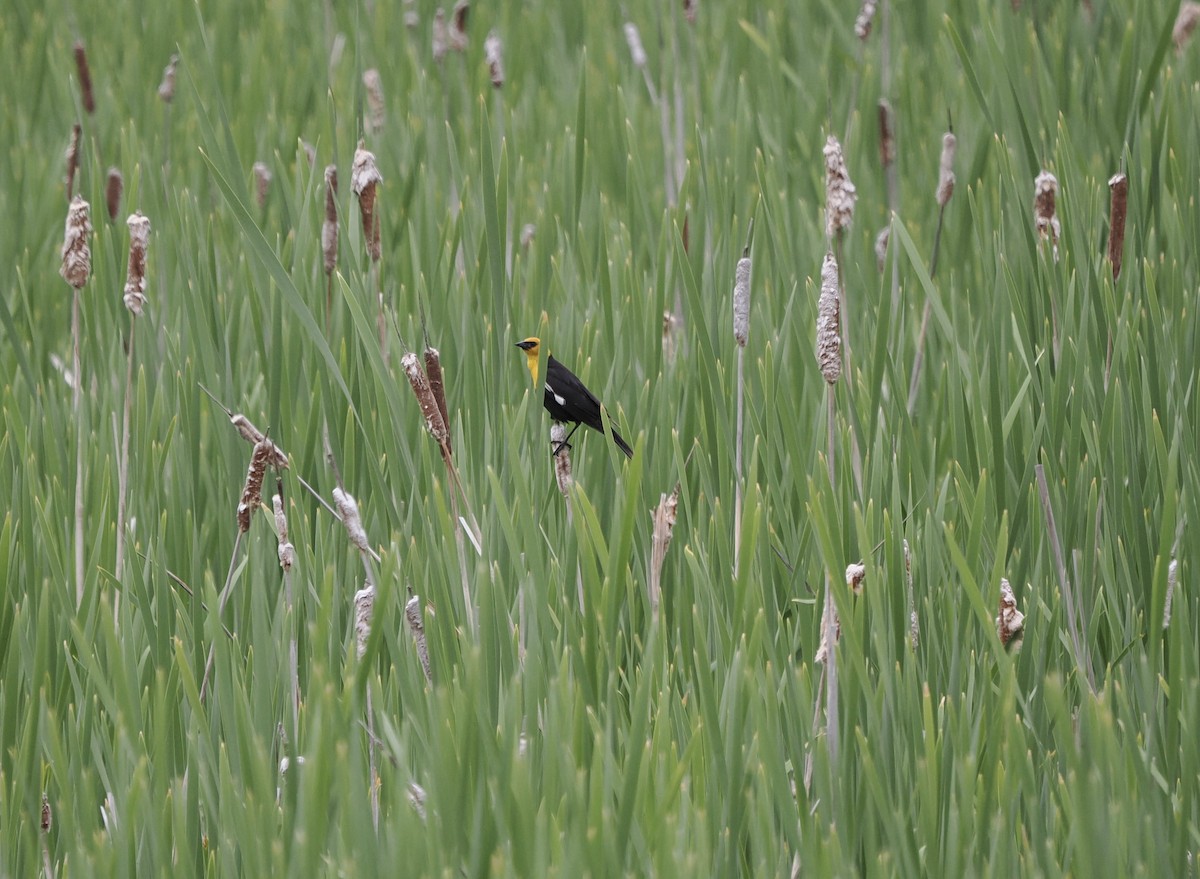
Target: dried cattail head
[(856, 573), (636, 50), (47, 815), (458, 26), (1172, 582), (945, 187), (364, 178), (135, 277), (1185, 23), (251, 434), (665, 516), (881, 246), (364, 608), (914, 627), (310, 152), (377, 114), (72, 158), (287, 552), (252, 491), (741, 299), (412, 614), (85, 77), (1118, 186), (829, 341), (166, 88), (113, 187), (411, 19), (562, 457), (347, 509), (670, 332), (829, 620), (689, 10), (887, 136), (262, 183), (416, 796), (441, 38), (424, 394), (866, 16), (76, 254), (329, 229), (493, 51), (1045, 193), (437, 386), (527, 233), (840, 193), (1010, 622)]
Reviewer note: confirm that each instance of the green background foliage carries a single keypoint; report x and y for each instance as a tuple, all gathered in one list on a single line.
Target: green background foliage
[(605, 742)]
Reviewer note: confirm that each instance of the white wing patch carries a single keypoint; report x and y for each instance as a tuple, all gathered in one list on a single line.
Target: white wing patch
[(554, 394)]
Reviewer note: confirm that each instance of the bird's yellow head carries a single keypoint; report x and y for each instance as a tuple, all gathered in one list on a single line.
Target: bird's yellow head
[(530, 346)]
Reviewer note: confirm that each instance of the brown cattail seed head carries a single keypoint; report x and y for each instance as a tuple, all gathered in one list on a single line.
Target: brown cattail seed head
[(251, 434), (1185, 23), (47, 815), (1172, 582), (441, 37), (72, 157), (562, 457), (887, 137), (665, 515), (1118, 186), (437, 385), (881, 246), (166, 88), (364, 178), (636, 50), (855, 575), (1010, 621), (424, 394), (85, 78), (412, 614), (945, 187), (866, 15), (493, 51), (347, 509), (829, 341), (252, 492), (364, 607), (76, 254), (287, 552), (840, 193), (329, 229), (377, 115), (1045, 192), (741, 300), (113, 188), (135, 277), (458, 26), (262, 183)]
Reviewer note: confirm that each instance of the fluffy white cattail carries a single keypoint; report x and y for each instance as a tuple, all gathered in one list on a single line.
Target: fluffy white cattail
[(856, 574), (416, 797), (665, 516), (76, 254), (1172, 582), (441, 38), (135, 279), (1010, 622), (493, 51), (287, 552), (1185, 23), (840, 193), (829, 341), (412, 614), (866, 15), (364, 178), (329, 228), (945, 187), (347, 509), (636, 50), (166, 88), (823, 648), (741, 299), (364, 607), (377, 115), (527, 233), (458, 26), (1045, 195), (881, 246), (914, 627)]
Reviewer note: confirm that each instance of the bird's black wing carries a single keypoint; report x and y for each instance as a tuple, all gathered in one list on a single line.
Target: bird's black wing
[(568, 399)]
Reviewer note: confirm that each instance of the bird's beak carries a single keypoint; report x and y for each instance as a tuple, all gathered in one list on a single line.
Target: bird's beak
[(524, 346)]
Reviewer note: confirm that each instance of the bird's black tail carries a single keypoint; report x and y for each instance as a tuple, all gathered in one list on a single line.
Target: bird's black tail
[(621, 444)]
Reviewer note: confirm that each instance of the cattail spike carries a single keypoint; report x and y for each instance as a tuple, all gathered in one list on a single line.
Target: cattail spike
[(1172, 582), (166, 88), (665, 516), (458, 26), (441, 37), (252, 492), (329, 229), (946, 180), (262, 183), (72, 157), (85, 77), (493, 51), (866, 16), (347, 509), (881, 246), (1118, 185), (1010, 623), (135, 279), (840, 194), (887, 136), (1185, 23), (437, 386), (424, 394), (76, 253), (829, 342), (113, 188), (412, 614), (377, 116), (636, 50), (364, 609), (1045, 188), (562, 458), (364, 178), (741, 299), (287, 552), (856, 574)]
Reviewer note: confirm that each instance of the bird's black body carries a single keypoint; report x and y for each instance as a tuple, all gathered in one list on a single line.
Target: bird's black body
[(568, 400)]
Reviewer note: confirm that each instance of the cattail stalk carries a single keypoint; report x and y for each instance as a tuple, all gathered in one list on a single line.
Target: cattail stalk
[(72, 157), (113, 187), (287, 558), (76, 268), (665, 516), (741, 332), (1118, 186), (412, 614), (85, 78), (135, 299)]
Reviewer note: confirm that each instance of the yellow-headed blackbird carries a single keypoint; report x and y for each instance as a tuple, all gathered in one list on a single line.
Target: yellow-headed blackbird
[(567, 399)]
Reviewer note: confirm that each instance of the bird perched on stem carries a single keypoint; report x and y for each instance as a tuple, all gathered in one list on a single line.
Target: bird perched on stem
[(567, 399)]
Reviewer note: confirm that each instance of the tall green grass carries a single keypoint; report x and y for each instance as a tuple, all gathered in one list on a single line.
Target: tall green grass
[(602, 742)]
